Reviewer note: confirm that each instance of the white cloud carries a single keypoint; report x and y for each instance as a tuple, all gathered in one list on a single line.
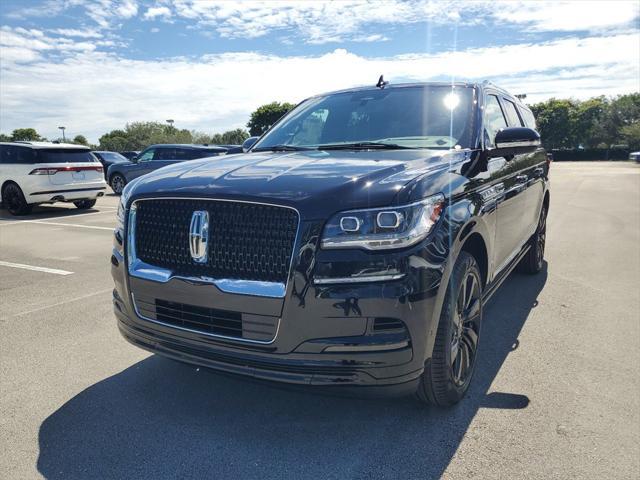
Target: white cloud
[(93, 92), (155, 12), (74, 32), (355, 20), (569, 15)]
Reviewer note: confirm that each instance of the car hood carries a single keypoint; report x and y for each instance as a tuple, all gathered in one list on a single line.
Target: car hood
[(315, 182)]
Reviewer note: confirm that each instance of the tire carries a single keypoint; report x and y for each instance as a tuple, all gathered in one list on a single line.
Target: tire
[(85, 204), (533, 261), (14, 201), (117, 183), (447, 375)]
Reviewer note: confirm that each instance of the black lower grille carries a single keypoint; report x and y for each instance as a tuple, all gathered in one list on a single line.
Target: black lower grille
[(214, 321), (202, 319), (247, 241), (383, 324)]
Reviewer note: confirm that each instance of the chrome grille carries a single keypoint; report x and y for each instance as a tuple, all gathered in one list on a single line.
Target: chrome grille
[(247, 241)]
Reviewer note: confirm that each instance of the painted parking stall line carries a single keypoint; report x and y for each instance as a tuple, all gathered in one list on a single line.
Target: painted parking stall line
[(76, 225), (34, 268)]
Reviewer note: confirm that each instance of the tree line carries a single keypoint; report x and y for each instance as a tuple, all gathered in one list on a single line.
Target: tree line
[(564, 124)]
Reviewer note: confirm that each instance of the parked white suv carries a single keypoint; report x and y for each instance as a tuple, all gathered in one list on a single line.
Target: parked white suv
[(42, 172)]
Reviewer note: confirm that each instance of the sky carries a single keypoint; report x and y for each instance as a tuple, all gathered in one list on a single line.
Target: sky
[(95, 65)]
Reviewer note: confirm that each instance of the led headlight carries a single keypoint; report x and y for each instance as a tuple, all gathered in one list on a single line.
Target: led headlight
[(383, 228)]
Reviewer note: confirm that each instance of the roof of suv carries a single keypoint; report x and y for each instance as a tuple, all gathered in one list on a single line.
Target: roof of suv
[(479, 85), (187, 145), (47, 145)]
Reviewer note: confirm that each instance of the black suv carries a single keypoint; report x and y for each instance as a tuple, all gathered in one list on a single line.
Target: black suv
[(352, 247), (155, 157)]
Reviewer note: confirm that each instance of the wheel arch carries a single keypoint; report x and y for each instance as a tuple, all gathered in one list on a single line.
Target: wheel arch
[(475, 245)]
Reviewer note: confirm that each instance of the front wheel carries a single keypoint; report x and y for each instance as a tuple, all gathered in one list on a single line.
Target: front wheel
[(117, 183), (447, 375), (85, 204), (14, 200)]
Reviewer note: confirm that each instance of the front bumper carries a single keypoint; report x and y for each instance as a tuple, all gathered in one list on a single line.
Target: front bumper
[(326, 335)]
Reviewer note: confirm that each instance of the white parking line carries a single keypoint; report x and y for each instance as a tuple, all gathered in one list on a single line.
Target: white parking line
[(35, 269), (82, 297), (18, 222), (42, 222)]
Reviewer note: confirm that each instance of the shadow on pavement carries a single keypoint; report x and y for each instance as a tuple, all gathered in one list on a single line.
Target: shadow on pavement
[(162, 419)]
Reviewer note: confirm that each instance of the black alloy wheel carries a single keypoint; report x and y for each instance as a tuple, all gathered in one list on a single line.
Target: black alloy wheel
[(14, 200), (448, 373), (465, 330), (117, 183)]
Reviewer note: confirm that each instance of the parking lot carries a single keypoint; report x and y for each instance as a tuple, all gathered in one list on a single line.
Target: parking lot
[(555, 393)]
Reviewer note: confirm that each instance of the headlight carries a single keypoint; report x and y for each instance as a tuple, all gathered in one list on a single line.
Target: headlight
[(383, 228)]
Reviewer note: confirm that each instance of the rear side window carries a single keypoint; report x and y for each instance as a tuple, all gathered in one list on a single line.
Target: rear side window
[(203, 153), (493, 119), (165, 154), (512, 113), (63, 155), (185, 154), (10, 154), (529, 119)]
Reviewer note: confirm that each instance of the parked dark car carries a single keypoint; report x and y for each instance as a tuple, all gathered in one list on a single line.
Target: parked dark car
[(109, 158), (129, 154), (352, 248), (154, 157)]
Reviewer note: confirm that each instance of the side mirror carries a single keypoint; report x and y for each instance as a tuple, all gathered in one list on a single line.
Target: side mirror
[(514, 141), (248, 143)]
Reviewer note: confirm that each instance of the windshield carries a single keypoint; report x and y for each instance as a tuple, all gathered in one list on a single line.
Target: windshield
[(63, 155), (429, 116)]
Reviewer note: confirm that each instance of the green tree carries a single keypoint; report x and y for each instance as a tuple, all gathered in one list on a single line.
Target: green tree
[(266, 115), (139, 135), (80, 140), (555, 119), (631, 135), (4, 138), (234, 137), (26, 134)]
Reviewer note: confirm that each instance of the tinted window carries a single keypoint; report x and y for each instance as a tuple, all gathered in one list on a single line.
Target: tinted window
[(186, 154), (415, 117), (4, 154), (198, 153), (64, 155), (111, 156), (165, 154), (147, 155), (493, 118), (529, 119), (16, 155), (512, 113)]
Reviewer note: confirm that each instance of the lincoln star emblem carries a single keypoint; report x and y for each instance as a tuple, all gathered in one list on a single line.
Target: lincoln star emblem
[(199, 236)]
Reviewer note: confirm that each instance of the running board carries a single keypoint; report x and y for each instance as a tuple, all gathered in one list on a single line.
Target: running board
[(504, 274)]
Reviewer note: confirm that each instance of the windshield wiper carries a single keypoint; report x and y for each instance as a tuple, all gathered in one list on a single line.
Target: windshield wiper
[(363, 146), (281, 148)]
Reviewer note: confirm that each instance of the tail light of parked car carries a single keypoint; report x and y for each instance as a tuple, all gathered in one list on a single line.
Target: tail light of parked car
[(54, 170)]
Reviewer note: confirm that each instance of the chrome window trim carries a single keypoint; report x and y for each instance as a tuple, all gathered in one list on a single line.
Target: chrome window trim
[(216, 335), (139, 269)]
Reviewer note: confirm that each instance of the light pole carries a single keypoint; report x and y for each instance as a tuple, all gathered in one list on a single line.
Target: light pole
[(63, 137)]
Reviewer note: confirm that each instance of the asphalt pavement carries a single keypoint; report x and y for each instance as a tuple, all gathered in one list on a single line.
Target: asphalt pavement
[(556, 392)]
